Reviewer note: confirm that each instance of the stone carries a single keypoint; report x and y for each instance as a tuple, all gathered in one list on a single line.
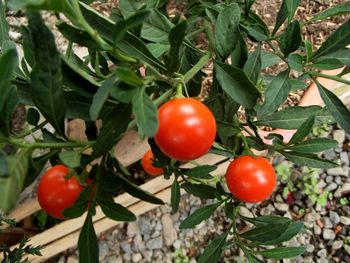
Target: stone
[(145, 225), (137, 257), (329, 179), (138, 243), (338, 180), (114, 259), (147, 254), (344, 158), (127, 257), (345, 189), (103, 250), (322, 260), (328, 234), (282, 207), (169, 231), (317, 230), (322, 253), (155, 243), (177, 244), (330, 154), (72, 259), (334, 217), (345, 220), (327, 222), (341, 171), (331, 187), (245, 212), (339, 135), (310, 248), (337, 244), (321, 184), (132, 229), (126, 247)]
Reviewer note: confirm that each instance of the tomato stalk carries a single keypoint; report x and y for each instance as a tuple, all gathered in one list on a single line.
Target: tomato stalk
[(23, 144), (246, 147), (196, 68)]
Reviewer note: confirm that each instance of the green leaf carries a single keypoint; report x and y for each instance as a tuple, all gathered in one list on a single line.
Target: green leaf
[(303, 130), (282, 15), (340, 9), (282, 252), (113, 126), (199, 215), (269, 59), (145, 112), (57, 6), (70, 158), (274, 233), (237, 85), (156, 28), (298, 85), (129, 7), (101, 96), (200, 190), (213, 251), (337, 40), (128, 76), (8, 62), (175, 196), (227, 30), (290, 39), (292, 6), (247, 6), (87, 242), (336, 107), (341, 55), (239, 54), (276, 93), (295, 62), (138, 192), (292, 117), (33, 116), (116, 211), (46, 76), (124, 93), (310, 160), (158, 49), (4, 27), (4, 166), (200, 172), (266, 220), (76, 210), (253, 65), (308, 50), (314, 145), (135, 20), (12, 184), (176, 37)]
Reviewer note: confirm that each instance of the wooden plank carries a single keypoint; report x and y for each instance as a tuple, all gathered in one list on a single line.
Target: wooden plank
[(106, 224)]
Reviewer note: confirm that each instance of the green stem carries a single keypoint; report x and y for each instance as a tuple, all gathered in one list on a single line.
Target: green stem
[(210, 36), (194, 33), (179, 90), (39, 127), (80, 20), (246, 148), (336, 78), (276, 51), (196, 68), (23, 144)]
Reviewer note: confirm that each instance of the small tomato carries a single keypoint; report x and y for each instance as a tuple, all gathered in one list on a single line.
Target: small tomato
[(147, 165)]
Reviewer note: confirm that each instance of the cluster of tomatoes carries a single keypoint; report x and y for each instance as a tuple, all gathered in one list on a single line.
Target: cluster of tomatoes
[(187, 130)]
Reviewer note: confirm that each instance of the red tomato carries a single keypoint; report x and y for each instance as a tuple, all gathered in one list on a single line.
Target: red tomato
[(186, 130), (55, 193), (147, 165), (250, 179)]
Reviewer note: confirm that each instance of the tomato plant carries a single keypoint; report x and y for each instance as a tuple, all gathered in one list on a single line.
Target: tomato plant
[(104, 89), (250, 179), (148, 166), (56, 192), (187, 129)]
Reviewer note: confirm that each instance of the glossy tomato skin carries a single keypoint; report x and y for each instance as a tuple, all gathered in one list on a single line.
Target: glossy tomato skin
[(187, 129), (55, 193), (148, 166), (250, 179)]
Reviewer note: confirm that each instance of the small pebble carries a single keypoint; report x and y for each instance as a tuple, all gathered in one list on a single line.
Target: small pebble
[(328, 234), (345, 220)]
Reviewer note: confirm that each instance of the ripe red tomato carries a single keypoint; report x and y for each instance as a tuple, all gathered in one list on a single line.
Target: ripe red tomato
[(55, 193), (147, 165), (187, 129), (250, 179)]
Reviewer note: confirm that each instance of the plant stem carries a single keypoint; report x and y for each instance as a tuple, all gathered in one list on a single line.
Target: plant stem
[(276, 51), (196, 68), (39, 127), (210, 36), (23, 144), (336, 78)]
